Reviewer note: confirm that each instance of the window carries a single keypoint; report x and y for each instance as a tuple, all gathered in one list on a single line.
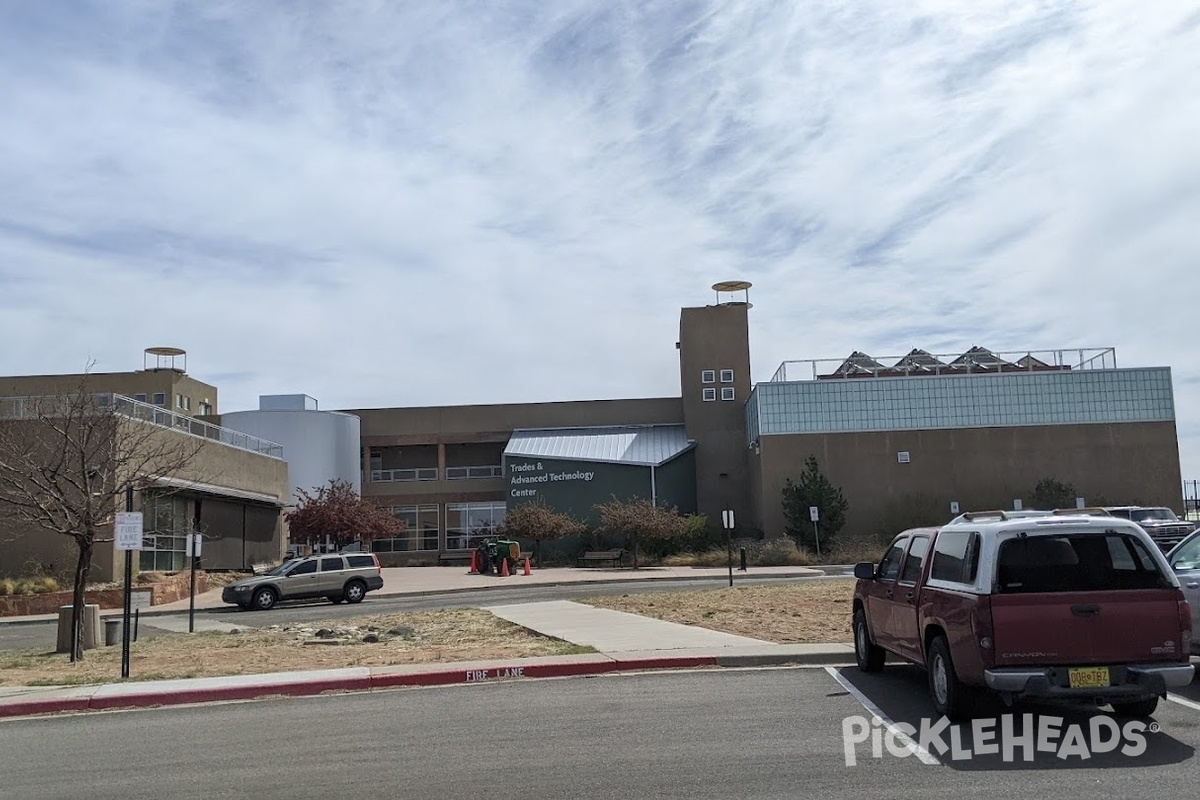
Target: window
[(1188, 556), (709, 394), (708, 376), (358, 562), (303, 568), (141, 398), (160, 399), (467, 522), (1076, 563), (726, 392), (205, 408), (420, 530), (955, 557), (915, 559), (331, 564), (889, 567), (726, 376), (167, 525)]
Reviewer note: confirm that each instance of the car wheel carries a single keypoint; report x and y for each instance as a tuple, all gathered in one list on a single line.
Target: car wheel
[(1138, 708), (950, 696), (869, 656), (265, 599), (355, 592)]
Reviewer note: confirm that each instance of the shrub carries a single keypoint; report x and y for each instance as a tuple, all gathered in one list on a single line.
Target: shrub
[(781, 553), (7, 587), (44, 584)]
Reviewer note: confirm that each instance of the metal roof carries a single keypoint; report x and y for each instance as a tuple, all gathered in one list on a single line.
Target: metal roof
[(645, 445)]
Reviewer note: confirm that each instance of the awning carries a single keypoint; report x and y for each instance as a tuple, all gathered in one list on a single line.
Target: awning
[(219, 491), (641, 445)]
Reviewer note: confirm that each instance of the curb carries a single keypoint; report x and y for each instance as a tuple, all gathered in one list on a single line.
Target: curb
[(207, 690)]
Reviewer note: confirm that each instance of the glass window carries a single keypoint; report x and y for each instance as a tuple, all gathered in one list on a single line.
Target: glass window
[(955, 557), (1188, 555), (889, 567), (141, 398), (726, 376), (420, 530), (471, 522), (160, 399), (331, 564), (915, 559), (304, 568), (709, 394), (726, 392), (708, 376), (167, 524), (1076, 563)]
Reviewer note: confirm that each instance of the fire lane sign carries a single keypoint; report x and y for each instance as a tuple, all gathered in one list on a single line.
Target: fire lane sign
[(128, 530)]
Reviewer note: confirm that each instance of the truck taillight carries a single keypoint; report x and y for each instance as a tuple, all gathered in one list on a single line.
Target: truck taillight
[(981, 626), (1185, 626)]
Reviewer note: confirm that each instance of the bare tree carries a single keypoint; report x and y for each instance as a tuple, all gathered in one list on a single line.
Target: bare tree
[(639, 518), (68, 460)]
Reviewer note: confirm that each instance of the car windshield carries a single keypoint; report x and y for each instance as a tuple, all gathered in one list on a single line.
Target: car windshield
[(1153, 515), (283, 568)]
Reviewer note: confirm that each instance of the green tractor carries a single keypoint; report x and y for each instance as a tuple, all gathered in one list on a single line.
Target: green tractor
[(493, 552)]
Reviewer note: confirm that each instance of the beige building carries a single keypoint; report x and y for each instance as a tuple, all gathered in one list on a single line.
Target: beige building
[(232, 487)]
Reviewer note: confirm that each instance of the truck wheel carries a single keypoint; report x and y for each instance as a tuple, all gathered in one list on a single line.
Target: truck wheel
[(1137, 708), (950, 696), (869, 656)]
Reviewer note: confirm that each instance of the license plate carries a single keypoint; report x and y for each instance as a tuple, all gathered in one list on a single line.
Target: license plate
[(1088, 677)]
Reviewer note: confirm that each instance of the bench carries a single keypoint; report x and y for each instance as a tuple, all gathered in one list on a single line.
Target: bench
[(614, 557)]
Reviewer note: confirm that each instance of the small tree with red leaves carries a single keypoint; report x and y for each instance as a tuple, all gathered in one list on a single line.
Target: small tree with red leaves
[(338, 512)]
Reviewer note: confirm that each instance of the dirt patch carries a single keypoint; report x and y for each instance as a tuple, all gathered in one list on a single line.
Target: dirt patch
[(425, 637), (812, 612)]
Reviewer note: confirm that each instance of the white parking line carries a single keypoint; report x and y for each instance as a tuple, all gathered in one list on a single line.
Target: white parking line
[(924, 755), (1174, 698)]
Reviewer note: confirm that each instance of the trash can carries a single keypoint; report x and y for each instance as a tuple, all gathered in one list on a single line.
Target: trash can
[(112, 631), (91, 628)]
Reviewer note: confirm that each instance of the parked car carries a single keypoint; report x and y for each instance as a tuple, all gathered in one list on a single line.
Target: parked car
[(336, 576), (1072, 605), (1184, 558), (1166, 529)]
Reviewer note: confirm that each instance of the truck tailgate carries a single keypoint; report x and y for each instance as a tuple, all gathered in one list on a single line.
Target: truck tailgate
[(1103, 627)]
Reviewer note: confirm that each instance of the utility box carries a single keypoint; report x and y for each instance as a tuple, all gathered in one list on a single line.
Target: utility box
[(91, 628)]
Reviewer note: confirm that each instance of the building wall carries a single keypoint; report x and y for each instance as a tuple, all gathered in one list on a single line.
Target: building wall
[(979, 468), (716, 338), (168, 382), (319, 446)]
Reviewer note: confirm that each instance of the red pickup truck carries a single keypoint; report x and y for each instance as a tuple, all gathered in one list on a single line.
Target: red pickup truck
[(1055, 605)]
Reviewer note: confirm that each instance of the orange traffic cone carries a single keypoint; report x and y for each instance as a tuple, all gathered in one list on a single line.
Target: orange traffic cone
[(504, 568), (527, 571), (474, 563)]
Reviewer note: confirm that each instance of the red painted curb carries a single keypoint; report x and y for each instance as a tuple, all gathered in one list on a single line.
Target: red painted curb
[(23, 708), (247, 692), (359, 683)]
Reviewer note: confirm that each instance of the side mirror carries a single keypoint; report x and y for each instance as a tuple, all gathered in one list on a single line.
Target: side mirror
[(864, 570)]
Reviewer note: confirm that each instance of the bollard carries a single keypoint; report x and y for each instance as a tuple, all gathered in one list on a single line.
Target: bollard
[(743, 567)]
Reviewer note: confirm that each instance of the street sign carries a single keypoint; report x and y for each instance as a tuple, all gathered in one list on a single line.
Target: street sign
[(812, 513), (128, 530), (954, 507), (727, 519), (193, 545)]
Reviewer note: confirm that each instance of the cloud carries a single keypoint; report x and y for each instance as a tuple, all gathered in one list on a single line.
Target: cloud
[(384, 204)]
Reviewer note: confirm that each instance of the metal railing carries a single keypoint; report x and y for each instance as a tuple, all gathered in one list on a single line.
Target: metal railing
[(403, 475), (467, 473), (974, 361), (31, 407)]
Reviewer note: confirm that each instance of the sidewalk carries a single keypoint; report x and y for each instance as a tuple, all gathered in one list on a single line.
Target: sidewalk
[(627, 642)]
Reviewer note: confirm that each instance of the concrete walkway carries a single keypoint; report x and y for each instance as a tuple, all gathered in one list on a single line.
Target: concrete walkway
[(614, 631)]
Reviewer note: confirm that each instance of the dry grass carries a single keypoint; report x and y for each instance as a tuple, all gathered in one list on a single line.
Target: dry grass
[(815, 611), (425, 637)]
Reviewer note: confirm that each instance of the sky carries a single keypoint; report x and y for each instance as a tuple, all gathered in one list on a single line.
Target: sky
[(441, 203)]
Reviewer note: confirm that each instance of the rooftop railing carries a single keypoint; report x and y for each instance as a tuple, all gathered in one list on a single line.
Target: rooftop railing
[(977, 360), (31, 407)]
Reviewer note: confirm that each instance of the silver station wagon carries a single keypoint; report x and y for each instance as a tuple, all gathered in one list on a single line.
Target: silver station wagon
[(334, 576)]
